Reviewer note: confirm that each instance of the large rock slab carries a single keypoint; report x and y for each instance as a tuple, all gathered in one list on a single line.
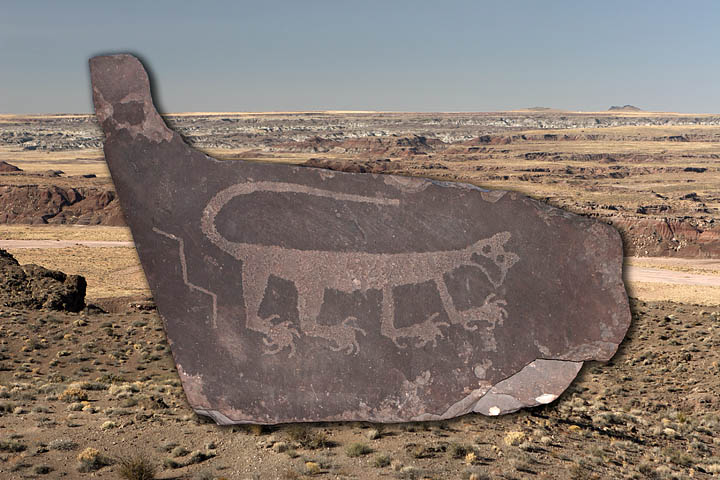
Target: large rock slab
[(302, 294)]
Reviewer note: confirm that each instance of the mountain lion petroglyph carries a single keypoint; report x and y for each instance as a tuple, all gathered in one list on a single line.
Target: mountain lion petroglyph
[(313, 272)]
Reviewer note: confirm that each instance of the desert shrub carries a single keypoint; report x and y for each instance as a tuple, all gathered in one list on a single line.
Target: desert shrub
[(309, 438), (171, 463), (73, 394), (458, 450), (42, 469), (91, 459), (198, 456), (11, 446), (136, 468), (514, 438), (179, 452), (358, 449), (62, 444), (381, 461)]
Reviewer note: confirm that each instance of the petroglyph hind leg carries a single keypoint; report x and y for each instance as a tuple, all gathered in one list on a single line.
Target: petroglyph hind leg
[(343, 336), (277, 336), (425, 332)]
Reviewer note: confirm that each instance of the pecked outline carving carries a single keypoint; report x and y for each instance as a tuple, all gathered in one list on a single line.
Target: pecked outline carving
[(314, 271)]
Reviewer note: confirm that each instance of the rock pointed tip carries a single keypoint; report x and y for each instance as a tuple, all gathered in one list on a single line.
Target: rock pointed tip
[(121, 93), (115, 58), (116, 76)]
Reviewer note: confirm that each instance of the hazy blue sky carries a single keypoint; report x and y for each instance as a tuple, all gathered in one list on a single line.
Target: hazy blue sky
[(380, 55)]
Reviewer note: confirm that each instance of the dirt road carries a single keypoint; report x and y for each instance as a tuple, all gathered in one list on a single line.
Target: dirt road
[(61, 243), (632, 273)]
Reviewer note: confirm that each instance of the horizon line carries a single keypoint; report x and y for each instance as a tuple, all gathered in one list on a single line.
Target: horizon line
[(350, 112)]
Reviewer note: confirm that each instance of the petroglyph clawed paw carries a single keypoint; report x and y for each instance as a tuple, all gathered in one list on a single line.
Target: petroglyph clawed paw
[(345, 336), (492, 312), (280, 336)]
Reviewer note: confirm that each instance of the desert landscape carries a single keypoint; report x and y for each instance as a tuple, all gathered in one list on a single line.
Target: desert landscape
[(88, 386)]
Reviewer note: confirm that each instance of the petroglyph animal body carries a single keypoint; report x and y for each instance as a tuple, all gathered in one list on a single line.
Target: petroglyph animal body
[(315, 271)]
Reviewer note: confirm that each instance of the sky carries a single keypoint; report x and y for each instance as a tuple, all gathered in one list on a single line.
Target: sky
[(391, 55)]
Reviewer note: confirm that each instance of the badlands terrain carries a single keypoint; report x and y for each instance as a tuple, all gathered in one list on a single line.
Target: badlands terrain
[(83, 391)]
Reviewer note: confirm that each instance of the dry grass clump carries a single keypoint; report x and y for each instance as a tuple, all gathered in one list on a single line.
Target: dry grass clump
[(475, 473), (171, 463), (358, 449), (124, 390), (196, 456), (513, 439), (12, 446), (312, 468), (136, 468), (309, 438), (62, 444), (458, 450), (73, 394), (91, 459), (42, 469), (179, 451), (382, 461)]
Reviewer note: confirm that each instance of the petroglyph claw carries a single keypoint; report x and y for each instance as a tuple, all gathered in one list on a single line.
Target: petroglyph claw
[(280, 336), (347, 337)]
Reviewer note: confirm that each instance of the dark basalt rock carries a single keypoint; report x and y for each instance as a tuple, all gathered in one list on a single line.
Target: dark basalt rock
[(299, 294), (36, 287)]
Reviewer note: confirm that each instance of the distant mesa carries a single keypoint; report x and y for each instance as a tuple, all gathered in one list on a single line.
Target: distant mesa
[(625, 108), (539, 109), (8, 167)]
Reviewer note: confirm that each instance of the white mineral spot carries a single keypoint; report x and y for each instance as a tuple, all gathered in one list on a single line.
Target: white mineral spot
[(494, 411), (546, 398)]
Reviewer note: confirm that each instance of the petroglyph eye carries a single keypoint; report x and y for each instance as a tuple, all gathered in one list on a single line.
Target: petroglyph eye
[(500, 259), (486, 250)]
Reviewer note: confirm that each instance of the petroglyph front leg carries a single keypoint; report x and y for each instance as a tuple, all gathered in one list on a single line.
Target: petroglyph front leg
[(277, 336), (448, 304), (492, 311), (426, 332), (343, 336)]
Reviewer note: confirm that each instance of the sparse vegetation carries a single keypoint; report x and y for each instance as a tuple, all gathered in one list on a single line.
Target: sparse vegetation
[(62, 444), (358, 449), (382, 461), (63, 377), (73, 394), (458, 450), (12, 446), (91, 459), (136, 468), (308, 437)]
